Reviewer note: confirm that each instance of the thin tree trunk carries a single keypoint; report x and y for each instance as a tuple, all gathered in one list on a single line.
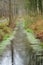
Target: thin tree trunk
[(37, 7), (40, 6)]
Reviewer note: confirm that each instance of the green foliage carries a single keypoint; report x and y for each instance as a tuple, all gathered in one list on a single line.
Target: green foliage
[(29, 30), (41, 44), (6, 41), (6, 36)]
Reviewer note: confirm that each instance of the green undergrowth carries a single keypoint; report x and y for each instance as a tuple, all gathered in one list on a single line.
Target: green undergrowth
[(6, 41), (29, 30)]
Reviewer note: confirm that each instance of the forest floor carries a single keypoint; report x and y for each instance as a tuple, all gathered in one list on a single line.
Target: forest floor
[(35, 23), (21, 40), (5, 30), (31, 23)]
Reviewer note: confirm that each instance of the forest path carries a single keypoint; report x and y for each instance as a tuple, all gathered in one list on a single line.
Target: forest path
[(21, 37)]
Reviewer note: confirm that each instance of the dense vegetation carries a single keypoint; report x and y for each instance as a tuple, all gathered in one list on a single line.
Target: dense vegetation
[(35, 24), (31, 12)]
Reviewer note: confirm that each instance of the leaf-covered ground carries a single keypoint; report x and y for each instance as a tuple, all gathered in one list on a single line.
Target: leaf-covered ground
[(36, 25), (5, 30)]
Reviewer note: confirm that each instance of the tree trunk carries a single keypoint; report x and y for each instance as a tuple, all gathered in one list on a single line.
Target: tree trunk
[(37, 7), (11, 17), (40, 6)]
